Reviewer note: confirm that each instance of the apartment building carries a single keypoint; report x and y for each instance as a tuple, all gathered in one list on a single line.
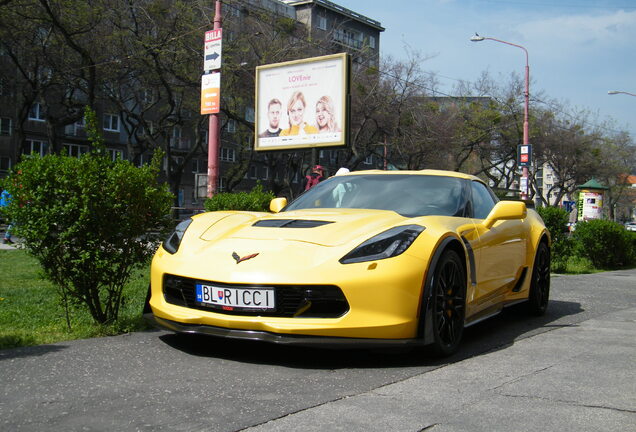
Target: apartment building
[(335, 28)]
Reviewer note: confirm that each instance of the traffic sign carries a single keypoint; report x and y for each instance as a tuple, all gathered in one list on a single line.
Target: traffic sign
[(524, 155), (212, 50)]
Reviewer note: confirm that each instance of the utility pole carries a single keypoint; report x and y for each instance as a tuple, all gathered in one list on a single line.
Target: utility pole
[(214, 127)]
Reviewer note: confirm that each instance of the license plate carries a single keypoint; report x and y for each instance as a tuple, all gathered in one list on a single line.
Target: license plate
[(239, 298)]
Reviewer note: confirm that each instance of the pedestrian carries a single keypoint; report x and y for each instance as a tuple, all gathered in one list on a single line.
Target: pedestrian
[(5, 199), (317, 175)]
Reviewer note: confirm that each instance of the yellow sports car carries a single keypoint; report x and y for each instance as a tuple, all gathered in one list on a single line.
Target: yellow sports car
[(370, 257)]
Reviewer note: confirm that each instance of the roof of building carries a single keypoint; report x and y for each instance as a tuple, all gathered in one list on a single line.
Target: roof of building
[(337, 8)]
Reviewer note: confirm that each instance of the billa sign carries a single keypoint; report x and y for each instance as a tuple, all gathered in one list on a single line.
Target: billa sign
[(210, 93), (212, 50)]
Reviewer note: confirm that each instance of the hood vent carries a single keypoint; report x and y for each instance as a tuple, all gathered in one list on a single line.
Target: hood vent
[(290, 223)]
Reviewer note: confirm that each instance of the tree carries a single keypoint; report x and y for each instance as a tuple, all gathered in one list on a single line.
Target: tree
[(86, 220)]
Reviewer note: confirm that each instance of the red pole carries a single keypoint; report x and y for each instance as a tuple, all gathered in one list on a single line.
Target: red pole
[(385, 164), (214, 128), (524, 173)]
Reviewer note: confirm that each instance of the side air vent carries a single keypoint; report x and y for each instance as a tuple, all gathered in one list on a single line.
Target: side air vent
[(290, 223)]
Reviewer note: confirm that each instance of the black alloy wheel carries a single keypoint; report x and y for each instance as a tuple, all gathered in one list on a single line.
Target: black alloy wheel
[(449, 303), (540, 285)]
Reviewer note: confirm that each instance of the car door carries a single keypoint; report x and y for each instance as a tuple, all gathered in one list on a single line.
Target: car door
[(499, 253)]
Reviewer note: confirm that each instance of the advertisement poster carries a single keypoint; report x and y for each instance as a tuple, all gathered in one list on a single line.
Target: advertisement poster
[(590, 205), (210, 93), (302, 104)]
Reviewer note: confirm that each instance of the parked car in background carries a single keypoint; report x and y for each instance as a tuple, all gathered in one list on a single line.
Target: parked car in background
[(630, 226)]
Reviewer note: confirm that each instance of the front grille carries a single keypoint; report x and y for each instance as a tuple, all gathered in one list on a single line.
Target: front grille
[(306, 301)]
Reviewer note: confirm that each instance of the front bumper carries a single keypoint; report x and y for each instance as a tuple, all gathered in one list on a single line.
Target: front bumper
[(282, 339)]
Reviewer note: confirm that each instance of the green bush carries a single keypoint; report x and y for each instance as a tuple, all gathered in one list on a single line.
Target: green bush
[(255, 200), (556, 221), (605, 243), (86, 221)]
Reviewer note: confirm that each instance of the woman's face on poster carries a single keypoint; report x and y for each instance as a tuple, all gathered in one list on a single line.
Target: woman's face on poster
[(296, 113), (322, 115)]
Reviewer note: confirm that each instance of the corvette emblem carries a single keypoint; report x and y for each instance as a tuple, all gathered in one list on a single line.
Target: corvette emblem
[(240, 259)]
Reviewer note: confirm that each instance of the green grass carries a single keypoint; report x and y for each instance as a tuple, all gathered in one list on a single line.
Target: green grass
[(31, 312)]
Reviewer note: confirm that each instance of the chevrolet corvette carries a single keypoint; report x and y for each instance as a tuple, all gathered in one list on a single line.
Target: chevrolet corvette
[(364, 259)]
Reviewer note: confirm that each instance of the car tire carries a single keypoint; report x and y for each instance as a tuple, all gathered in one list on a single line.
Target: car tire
[(448, 297), (539, 294)]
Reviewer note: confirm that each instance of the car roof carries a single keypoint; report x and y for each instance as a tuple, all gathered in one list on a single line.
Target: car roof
[(430, 172)]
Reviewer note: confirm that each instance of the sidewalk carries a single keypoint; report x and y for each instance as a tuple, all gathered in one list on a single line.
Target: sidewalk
[(575, 378), (4, 246)]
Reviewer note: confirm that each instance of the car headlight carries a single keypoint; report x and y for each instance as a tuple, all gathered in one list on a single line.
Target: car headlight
[(388, 244), (171, 244)]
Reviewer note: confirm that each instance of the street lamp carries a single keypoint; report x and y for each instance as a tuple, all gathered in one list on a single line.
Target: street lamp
[(524, 175), (613, 92)]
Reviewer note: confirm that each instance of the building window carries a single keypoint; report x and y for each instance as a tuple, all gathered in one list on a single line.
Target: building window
[(144, 159), (322, 22), (175, 139), (372, 42), (231, 126), (176, 162), (111, 122), (222, 183), (265, 173), (348, 37), (253, 172), (75, 150), (36, 112), (368, 160), (199, 166), (5, 126), (115, 154), (35, 146), (147, 128), (228, 154), (249, 114), (5, 163), (147, 97)]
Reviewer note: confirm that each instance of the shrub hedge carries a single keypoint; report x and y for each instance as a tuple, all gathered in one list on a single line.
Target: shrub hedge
[(596, 244), (255, 200), (607, 244)]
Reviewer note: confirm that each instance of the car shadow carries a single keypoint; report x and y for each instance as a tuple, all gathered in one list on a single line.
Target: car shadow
[(495, 333), (29, 351)]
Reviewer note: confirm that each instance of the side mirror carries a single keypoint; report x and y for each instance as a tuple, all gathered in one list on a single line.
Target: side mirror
[(506, 210), (277, 204)]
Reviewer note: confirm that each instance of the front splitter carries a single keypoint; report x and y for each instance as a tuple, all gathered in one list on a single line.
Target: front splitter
[(276, 338)]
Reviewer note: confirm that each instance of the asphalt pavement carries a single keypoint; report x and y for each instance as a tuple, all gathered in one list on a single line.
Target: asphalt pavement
[(572, 370), (575, 378)]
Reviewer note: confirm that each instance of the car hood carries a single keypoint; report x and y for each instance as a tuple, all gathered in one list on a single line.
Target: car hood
[(321, 227)]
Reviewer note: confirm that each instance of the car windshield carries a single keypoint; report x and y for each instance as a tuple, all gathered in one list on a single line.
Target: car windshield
[(408, 195)]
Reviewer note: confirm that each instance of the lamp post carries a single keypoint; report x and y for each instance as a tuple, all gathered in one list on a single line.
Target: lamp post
[(613, 92), (524, 175)]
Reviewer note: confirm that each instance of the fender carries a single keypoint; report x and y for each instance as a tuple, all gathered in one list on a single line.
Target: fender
[(425, 326)]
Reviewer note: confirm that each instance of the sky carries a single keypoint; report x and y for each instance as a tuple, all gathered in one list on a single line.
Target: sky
[(578, 50)]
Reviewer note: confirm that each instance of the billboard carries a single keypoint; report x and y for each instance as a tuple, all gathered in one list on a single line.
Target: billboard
[(302, 103)]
